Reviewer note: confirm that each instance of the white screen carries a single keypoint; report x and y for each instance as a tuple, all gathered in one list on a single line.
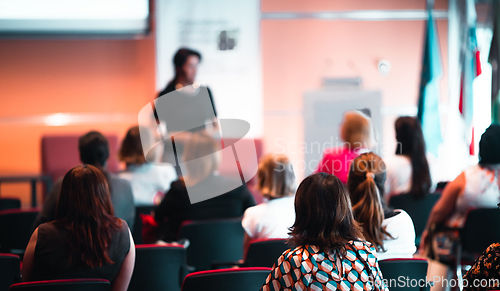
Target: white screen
[(74, 16)]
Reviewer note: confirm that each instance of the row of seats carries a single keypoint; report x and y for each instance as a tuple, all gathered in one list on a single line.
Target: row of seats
[(162, 268)]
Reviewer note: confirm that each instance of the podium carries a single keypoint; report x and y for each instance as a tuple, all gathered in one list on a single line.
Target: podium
[(323, 112)]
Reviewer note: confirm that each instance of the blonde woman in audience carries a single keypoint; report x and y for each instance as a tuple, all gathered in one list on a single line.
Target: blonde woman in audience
[(149, 182), (356, 132), (391, 232), (329, 251), (272, 219), (85, 240)]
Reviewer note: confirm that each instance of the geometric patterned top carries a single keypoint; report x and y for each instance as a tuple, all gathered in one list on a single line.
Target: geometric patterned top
[(305, 268)]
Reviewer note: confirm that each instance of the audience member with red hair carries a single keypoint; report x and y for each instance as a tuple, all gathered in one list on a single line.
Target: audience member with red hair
[(86, 240), (356, 132)]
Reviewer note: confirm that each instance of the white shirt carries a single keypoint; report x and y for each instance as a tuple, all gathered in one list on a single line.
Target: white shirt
[(401, 228), (270, 219), (399, 173), (147, 180), (482, 190)]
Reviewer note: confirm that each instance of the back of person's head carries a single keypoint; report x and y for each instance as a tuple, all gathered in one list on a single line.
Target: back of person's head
[(411, 143), (276, 178), (365, 185), (182, 55), (323, 215), (94, 149), (356, 130), (131, 151), (202, 148), (489, 145), (85, 210)]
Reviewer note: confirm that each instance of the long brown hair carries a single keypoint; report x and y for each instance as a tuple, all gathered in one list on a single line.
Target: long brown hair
[(85, 210), (323, 215), (368, 170)]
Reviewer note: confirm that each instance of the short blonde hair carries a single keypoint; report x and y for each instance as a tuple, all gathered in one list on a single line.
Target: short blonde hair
[(198, 146), (276, 178), (357, 130)]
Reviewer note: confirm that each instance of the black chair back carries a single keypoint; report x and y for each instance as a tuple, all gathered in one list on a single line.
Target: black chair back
[(9, 203), (481, 229), (243, 279), (264, 252), (213, 241), (418, 209), (412, 270), (16, 229), (158, 268), (9, 271)]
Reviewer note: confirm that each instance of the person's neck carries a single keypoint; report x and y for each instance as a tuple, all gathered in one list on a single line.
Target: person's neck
[(182, 82), (100, 167)]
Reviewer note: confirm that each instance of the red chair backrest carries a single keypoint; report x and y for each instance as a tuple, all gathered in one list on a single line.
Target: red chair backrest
[(63, 285)]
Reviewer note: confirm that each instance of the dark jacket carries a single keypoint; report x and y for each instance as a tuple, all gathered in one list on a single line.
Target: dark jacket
[(176, 207)]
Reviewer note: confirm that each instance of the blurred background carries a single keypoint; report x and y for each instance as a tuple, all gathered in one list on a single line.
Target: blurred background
[(67, 67)]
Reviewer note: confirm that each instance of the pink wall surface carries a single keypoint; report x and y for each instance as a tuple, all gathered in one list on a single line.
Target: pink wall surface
[(298, 54)]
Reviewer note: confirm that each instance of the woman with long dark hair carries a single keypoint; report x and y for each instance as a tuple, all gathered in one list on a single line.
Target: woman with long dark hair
[(328, 241), (408, 171), (390, 231), (86, 240)]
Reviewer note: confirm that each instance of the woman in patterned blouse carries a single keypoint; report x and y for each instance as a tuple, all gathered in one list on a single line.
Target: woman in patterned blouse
[(331, 253)]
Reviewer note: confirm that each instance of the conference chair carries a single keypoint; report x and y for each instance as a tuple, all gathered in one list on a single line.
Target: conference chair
[(414, 272), (243, 279), (63, 285), (212, 242), (481, 229), (137, 232), (16, 229), (418, 209), (158, 268), (9, 271), (264, 252), (9, 203)]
